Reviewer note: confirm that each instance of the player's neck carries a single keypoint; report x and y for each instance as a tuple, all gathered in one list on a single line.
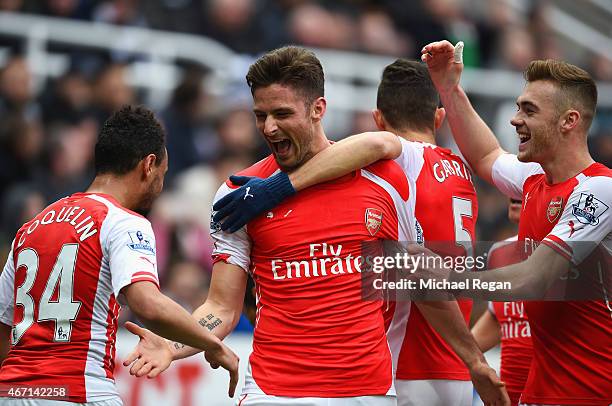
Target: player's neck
[(565, 166), (419, 136), (111, 185), (318, 144)]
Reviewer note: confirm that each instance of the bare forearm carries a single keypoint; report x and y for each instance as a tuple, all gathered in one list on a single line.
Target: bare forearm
[(527, 280), (214, 320), (486, 332), (472, 135), (446, 318), (344, 157), (171, 321)]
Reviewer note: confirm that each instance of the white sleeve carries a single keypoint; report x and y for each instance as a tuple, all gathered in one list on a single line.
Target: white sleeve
[(491, 309), (234, 248), (509, 174), (585, 222), (411, 159), (7, 289), (129, 247)]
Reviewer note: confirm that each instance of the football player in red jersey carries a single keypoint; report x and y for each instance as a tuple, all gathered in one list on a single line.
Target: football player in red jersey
[(507, 322), (566, 221), (316, 341), (71, 264), (428, 372)]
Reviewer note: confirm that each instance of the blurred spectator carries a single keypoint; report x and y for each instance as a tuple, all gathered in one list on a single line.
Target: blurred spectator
[(70, 159), (174, 15), (16, 92), (120, 12), (237, 132), (190, 140), (377, 35), (21, 146), (187, 283), (69, 100), (231, 22), (11, 5), (77, 9), (601, 67), (111, 91), (21, 204), (517, 49), (309, 24)]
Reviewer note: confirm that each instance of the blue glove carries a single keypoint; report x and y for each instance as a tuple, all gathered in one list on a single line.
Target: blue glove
[(255, 196)]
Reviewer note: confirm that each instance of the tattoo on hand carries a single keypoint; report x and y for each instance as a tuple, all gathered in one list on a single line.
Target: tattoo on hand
[(210, 322), (178, 346)]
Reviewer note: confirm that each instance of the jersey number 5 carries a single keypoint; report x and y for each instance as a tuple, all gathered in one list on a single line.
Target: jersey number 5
[(462, 208), (63, 310)]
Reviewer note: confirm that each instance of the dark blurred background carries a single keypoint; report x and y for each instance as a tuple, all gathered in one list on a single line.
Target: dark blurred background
[(65, 65)]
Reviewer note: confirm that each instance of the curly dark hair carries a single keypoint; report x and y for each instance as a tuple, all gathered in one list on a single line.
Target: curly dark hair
[(407, 97), (130, 134)]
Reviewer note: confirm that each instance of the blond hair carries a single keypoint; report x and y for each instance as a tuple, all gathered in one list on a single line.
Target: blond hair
[(577, 89)]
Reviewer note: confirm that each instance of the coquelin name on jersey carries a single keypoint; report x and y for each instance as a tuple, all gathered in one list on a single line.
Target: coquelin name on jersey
[(84, 226)]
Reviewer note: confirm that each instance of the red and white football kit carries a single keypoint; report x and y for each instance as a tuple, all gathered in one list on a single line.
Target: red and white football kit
[(572, 340), (446, 209), (59, 291), (516, 347), (315, 336)]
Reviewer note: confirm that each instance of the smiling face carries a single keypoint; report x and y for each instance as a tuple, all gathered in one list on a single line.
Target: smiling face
[(537, 121), (287, 123)]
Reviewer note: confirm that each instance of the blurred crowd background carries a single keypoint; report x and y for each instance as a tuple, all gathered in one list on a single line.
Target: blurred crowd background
[(49, 125)]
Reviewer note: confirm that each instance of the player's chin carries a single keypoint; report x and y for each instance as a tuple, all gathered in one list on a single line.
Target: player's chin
[(286, 162), (525, 156)]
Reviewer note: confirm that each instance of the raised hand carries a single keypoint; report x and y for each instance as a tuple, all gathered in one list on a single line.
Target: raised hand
[(255, 196), (151, 356), (445, 64), (492, 391)]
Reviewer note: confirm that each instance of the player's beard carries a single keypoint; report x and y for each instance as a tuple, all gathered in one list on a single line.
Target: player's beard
[(147, 199), (542, 142), (303, 150)]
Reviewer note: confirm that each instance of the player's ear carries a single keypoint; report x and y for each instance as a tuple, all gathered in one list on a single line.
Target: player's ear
[(439, 117), (569, 120), (148, 164), (318, 108), (379, 120)]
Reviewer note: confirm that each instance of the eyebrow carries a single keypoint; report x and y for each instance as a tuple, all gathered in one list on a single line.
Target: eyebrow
[(526, 103), (275, 111)]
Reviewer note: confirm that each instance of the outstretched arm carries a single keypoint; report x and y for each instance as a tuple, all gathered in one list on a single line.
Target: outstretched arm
[(167, 318), (218, 315), (473, 137), (223, 307), (339, 159)]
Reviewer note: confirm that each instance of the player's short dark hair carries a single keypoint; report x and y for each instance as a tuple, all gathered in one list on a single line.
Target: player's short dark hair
[(290, 66), (128, 136), (577, 88), (407, 97)]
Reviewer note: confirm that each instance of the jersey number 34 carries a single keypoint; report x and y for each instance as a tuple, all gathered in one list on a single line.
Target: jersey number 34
[(62, 310)]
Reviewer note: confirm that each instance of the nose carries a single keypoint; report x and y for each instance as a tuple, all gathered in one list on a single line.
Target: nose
[(517, 121), (270, 126)]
